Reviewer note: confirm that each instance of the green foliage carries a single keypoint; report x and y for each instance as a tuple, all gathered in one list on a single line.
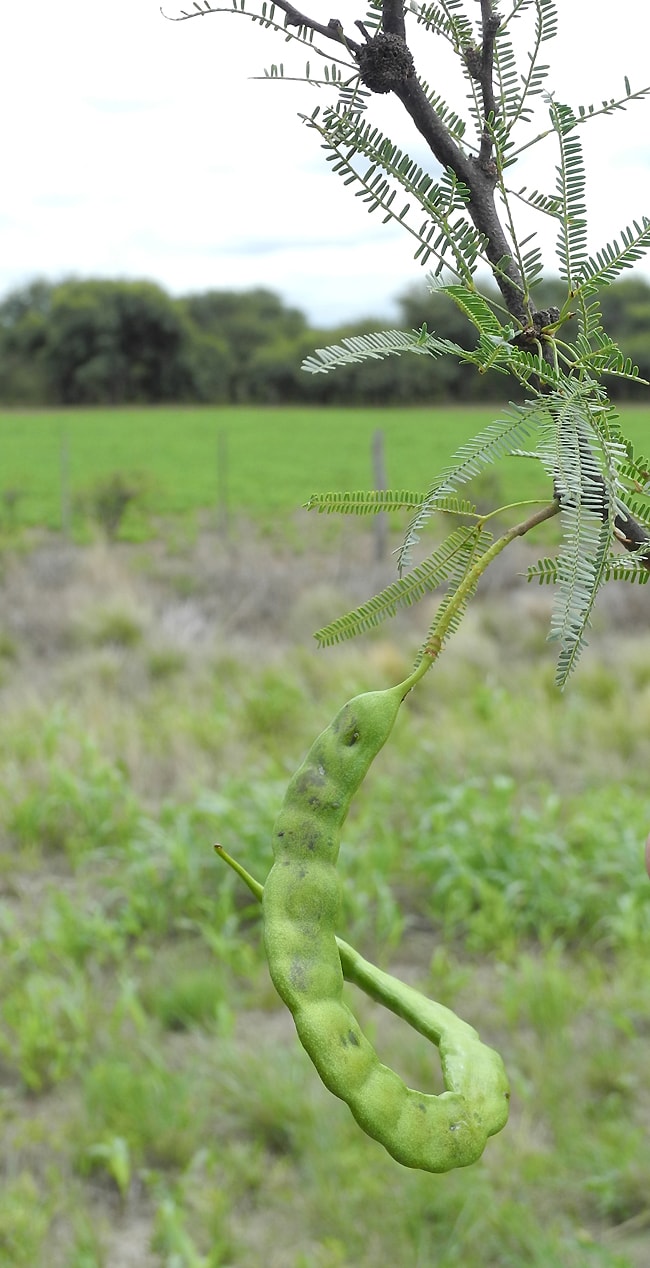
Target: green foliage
[(570, 193), (23, 1222), (75, 801), (182, 1110), (248, 347), (374, 501), (46, 1027), (142, 1103), (447, 565), (578, 442), (616, 568), (374, 347), (114, 1156), (113, 341), (565, 404)]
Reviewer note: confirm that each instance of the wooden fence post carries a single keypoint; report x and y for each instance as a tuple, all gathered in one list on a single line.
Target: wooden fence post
[(379, 482), (223, 508), (64, 482)]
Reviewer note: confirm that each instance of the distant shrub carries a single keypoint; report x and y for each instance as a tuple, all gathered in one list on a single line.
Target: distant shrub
[(111, 496)]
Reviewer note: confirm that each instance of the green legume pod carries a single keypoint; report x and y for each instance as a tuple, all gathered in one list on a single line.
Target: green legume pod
[(301, 905)]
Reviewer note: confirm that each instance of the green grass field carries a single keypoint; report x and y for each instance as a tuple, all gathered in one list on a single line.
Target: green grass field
[(275, 457), (155, 1105), (156, 1108)]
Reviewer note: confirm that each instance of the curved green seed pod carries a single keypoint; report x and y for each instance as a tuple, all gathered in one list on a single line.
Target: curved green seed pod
[(301, 904), (471, 1070)]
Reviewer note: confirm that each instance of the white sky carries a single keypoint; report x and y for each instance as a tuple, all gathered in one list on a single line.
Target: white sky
[(136, 147)]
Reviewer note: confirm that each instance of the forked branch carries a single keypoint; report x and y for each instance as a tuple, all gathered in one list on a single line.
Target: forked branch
[(386, 65)]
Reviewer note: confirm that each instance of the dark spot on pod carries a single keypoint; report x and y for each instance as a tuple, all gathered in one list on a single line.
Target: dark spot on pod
[(353, 1038), (316, 790), (307, 781), (348, 731), (346, 727), (298, 975)]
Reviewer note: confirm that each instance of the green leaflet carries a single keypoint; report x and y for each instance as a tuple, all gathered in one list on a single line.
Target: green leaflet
[(494, 442), (570, 190), (627, 568), (476, 308), (451, 611), (438, 568), (372, 501), (445, 234), (581, 570), (375, 347), (603, 268), (583, 464), (544, 571), (617, 568), (638, 507)]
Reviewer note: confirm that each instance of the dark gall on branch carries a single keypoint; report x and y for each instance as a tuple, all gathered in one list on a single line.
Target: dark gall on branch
[(473, 57), (384, 62)]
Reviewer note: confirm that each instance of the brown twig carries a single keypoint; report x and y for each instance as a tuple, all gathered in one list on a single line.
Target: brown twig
[(332, 30)]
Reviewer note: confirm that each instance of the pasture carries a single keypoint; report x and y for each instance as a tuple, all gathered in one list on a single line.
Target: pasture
[(274, 458), (156, 1110)]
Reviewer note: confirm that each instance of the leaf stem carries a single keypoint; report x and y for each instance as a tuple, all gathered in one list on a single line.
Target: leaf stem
[(510, 506), (469, 581)]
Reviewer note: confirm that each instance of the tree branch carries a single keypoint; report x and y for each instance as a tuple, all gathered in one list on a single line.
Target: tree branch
[(392, 21), (481, 185), (633, 537), (490, 24), (333, 30), (479, 174)]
